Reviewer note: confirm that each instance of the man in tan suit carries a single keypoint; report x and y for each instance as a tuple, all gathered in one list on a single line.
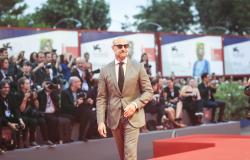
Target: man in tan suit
[(123, 90)]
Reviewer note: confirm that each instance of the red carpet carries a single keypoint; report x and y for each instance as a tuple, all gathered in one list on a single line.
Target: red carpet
[(203, 147)]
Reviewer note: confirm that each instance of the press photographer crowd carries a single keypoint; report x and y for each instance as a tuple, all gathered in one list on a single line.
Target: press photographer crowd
[(49, 92)]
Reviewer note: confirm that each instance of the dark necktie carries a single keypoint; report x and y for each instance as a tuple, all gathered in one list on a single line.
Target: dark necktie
[(120, 76)]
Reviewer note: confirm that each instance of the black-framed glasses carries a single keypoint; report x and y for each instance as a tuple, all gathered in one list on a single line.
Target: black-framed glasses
[(122, 45)]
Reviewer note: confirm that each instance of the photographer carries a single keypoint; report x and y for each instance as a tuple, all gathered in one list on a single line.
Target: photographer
[(147, 66), (207, 91), (192, 103), (28, 106), (10, 117), (49, 105), (75, 104), (40, 72), (81, 71), (20, 59), (50, 66), (65, 64), (4, 52), (89, 64), (4, 67), (25, 71)]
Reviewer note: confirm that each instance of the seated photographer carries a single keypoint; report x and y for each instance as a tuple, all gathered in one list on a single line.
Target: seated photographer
[(48, 99), (172, 105), (154, 105), (10, 117), (28, 106), (192, 103), (76, 104), (207, 91)]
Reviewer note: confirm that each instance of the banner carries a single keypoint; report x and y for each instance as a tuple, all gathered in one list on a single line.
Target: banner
[(191, 55), (99, 46), (39, 40), (236, 55)]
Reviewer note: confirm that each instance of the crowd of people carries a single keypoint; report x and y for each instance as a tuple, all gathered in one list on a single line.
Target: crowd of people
[(48, 91), (52, 92)]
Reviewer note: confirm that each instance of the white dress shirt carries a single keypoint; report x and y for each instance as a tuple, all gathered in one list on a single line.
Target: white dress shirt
[(50, 108)]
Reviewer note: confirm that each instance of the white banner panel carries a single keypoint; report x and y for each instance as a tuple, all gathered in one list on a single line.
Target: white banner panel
[(187, 55), (236, 55), (39, 40)]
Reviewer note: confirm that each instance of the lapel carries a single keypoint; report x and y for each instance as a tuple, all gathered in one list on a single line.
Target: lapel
[(113, 76)]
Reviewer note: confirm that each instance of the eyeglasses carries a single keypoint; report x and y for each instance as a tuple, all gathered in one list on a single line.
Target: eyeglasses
[(120, 46)]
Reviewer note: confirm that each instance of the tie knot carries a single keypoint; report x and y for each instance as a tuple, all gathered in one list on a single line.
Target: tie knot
[(121, 63)]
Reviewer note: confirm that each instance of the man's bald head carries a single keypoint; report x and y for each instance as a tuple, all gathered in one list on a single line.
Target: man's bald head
[(120, 48), (120, 41)]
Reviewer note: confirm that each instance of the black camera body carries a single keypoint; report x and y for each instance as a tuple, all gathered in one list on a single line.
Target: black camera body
[(59, 80), (53, 86), (82, 95), (96, 71), (19, 127), (48, 66)]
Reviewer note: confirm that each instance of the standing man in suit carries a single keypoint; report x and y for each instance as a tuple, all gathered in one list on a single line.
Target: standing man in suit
[(123, 90)]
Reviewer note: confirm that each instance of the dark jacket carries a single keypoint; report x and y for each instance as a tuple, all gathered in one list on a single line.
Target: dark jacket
[(42, 98), (88, 78), (176, 92), (205, 91), (12, 107), (67, 102), (40, 76)]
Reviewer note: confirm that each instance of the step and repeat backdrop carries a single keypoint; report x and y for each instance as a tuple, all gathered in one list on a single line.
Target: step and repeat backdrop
[(99, 45), (183, 55)]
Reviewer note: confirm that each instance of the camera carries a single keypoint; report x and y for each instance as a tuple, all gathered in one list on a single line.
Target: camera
[(81, 94), (169, 104), (48, 66), (19, 127), (59, 80), (52, 86), (95, 71)]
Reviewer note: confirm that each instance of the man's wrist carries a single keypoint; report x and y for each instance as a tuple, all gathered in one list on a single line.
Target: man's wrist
[(136, 106)]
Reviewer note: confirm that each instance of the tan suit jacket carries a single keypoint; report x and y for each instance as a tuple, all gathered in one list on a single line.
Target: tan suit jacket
[(137, 88)]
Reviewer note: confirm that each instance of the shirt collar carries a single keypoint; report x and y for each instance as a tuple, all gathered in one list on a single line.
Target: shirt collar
[(124, 61)]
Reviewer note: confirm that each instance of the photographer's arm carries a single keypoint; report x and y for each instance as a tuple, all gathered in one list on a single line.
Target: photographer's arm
[(57, 65), (40, 65), (71, 62), (23, 104)]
